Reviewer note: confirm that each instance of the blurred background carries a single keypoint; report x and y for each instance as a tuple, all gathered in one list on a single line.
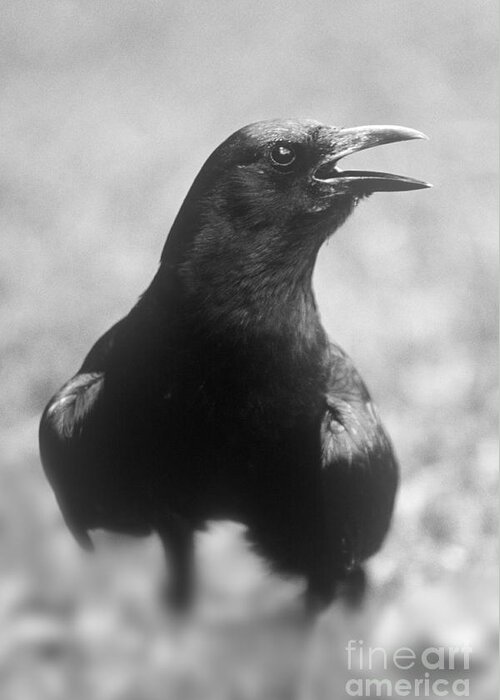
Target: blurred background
[(107, 111)]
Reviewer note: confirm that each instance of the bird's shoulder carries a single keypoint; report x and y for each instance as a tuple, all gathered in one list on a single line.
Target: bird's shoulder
[(344, 379), (67, 411), (69, 408), (100, 354), (351, 428)]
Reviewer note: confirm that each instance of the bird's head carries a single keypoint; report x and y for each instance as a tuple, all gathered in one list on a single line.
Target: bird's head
[(268, 197)]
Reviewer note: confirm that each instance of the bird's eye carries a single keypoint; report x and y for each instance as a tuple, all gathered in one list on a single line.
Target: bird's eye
[(282, 155)]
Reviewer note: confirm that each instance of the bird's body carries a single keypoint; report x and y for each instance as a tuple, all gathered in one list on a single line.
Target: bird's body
[(220, 396)]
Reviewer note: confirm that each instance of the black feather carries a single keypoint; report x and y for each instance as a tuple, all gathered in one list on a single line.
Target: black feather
[(220, 396)]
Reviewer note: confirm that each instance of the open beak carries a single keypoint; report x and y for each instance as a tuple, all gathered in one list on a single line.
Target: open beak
[(352, 140)]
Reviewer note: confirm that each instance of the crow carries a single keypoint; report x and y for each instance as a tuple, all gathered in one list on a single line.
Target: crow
[(220, 396)]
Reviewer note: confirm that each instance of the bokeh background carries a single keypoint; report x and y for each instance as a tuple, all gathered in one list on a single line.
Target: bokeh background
[(107, 111)]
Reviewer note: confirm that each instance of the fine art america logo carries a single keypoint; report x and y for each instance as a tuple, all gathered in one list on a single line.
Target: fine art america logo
[(433, 672)]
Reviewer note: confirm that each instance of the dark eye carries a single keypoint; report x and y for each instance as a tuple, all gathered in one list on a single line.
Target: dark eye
[(282, 155)]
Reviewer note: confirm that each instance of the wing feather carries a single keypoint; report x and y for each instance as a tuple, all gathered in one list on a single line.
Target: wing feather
[(62, 429), (359, 468)]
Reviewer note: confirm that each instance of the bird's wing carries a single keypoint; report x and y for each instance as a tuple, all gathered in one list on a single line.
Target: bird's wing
[(65, 432), (62, 432), (67, 411), (99, 354), (358, 464)]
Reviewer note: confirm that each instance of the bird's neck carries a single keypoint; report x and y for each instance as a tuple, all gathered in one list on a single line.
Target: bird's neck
[(269, 299), (246, 348), (250, 363), (241, 306), (239, 273)]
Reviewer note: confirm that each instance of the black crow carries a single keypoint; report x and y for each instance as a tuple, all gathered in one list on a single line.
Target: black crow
[(220, 396)]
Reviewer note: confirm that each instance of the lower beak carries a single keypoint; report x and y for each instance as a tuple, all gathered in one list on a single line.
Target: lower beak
[(348, 141)]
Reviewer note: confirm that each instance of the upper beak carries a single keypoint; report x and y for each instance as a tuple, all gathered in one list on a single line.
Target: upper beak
[(347, 141)]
